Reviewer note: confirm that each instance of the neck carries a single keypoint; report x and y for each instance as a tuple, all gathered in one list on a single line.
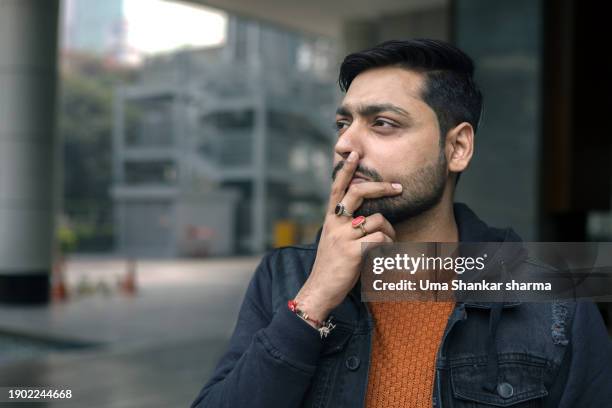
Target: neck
[(434, 225)]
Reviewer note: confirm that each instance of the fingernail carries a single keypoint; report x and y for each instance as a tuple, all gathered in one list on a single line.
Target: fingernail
[(352, 157), (396, 186)]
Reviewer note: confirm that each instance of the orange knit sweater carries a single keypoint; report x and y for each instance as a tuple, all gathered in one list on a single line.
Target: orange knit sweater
[(406, 338)]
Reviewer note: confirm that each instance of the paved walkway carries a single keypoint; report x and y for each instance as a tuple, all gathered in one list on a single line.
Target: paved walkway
[(154, 349)]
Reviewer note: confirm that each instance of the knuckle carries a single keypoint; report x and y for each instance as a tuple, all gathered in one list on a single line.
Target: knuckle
[(377, 218), (378, 236), (385, 222), (354, 189), (388, 228)]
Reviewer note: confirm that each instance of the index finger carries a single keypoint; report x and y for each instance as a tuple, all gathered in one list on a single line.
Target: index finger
[(343, 178)]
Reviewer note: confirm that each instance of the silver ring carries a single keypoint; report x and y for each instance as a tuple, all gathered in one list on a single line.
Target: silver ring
[(341, 210)]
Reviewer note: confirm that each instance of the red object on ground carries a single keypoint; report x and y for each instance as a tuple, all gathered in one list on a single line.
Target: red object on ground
[(128, 285), (59, 292)]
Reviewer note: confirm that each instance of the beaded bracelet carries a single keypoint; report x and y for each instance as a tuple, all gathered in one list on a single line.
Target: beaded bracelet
[(322, 327)]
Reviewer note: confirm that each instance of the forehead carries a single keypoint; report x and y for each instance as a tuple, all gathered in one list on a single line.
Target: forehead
[(397, 86)]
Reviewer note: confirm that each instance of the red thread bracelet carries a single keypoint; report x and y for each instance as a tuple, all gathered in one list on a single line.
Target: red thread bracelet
[(322, 327), (293, 306)]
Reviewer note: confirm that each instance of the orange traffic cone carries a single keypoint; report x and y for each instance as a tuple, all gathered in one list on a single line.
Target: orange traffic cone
[(128, 284), (59, 292)]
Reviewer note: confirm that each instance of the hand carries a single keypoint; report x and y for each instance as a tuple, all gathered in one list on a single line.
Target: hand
[(336, 267)]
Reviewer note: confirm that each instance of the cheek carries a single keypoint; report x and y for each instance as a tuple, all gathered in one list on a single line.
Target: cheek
[(415, 153), (391, 161), (426, 146), (411, 154)]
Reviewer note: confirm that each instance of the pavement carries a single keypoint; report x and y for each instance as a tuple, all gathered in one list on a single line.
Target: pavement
[(155, 348)]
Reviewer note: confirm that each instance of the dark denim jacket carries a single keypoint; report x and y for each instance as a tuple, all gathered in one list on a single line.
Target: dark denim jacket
[(554, 354)]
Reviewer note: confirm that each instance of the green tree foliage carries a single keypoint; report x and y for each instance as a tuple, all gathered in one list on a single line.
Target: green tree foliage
[(85, 125)]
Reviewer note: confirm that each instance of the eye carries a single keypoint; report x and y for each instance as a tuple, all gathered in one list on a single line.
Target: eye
[(386, 123), (341, 124)]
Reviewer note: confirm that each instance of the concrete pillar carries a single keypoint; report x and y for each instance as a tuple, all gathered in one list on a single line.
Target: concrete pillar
[(28, 148), (505, 40)]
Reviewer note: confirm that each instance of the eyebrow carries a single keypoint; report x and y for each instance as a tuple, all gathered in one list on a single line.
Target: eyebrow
[(370, 110)]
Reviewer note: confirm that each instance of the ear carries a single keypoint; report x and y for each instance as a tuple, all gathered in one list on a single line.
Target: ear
[(459, 147)]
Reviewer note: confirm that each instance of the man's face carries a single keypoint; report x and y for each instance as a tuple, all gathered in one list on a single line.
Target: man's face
[(397, 136)]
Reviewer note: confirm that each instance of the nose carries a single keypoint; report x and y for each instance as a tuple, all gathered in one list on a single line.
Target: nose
[(350, 140)]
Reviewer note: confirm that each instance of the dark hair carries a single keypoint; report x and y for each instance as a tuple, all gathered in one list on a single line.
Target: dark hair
[(449, 87)]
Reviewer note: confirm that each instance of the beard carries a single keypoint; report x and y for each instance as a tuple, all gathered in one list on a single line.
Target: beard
[(422, 190)]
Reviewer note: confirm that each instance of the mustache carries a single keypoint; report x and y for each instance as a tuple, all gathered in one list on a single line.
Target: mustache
[(370, 173)]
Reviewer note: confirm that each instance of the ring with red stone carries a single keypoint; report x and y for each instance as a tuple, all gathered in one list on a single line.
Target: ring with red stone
[(341, 210), (359, 222)]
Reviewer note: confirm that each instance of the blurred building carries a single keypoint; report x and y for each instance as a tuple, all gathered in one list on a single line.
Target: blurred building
[(216, 147)]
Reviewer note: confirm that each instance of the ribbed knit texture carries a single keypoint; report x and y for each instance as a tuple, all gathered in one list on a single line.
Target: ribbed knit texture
[(404, 346)]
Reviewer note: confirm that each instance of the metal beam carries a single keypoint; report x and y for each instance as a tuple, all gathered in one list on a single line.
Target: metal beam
[(318, 17)]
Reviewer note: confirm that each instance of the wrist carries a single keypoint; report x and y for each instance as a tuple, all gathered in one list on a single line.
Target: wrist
[(317, 309), (322, 326)]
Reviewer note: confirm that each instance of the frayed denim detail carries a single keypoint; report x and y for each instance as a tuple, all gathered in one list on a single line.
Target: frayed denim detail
[(560, 315)]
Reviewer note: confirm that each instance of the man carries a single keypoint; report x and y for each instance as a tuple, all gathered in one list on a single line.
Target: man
[(405, 132)]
